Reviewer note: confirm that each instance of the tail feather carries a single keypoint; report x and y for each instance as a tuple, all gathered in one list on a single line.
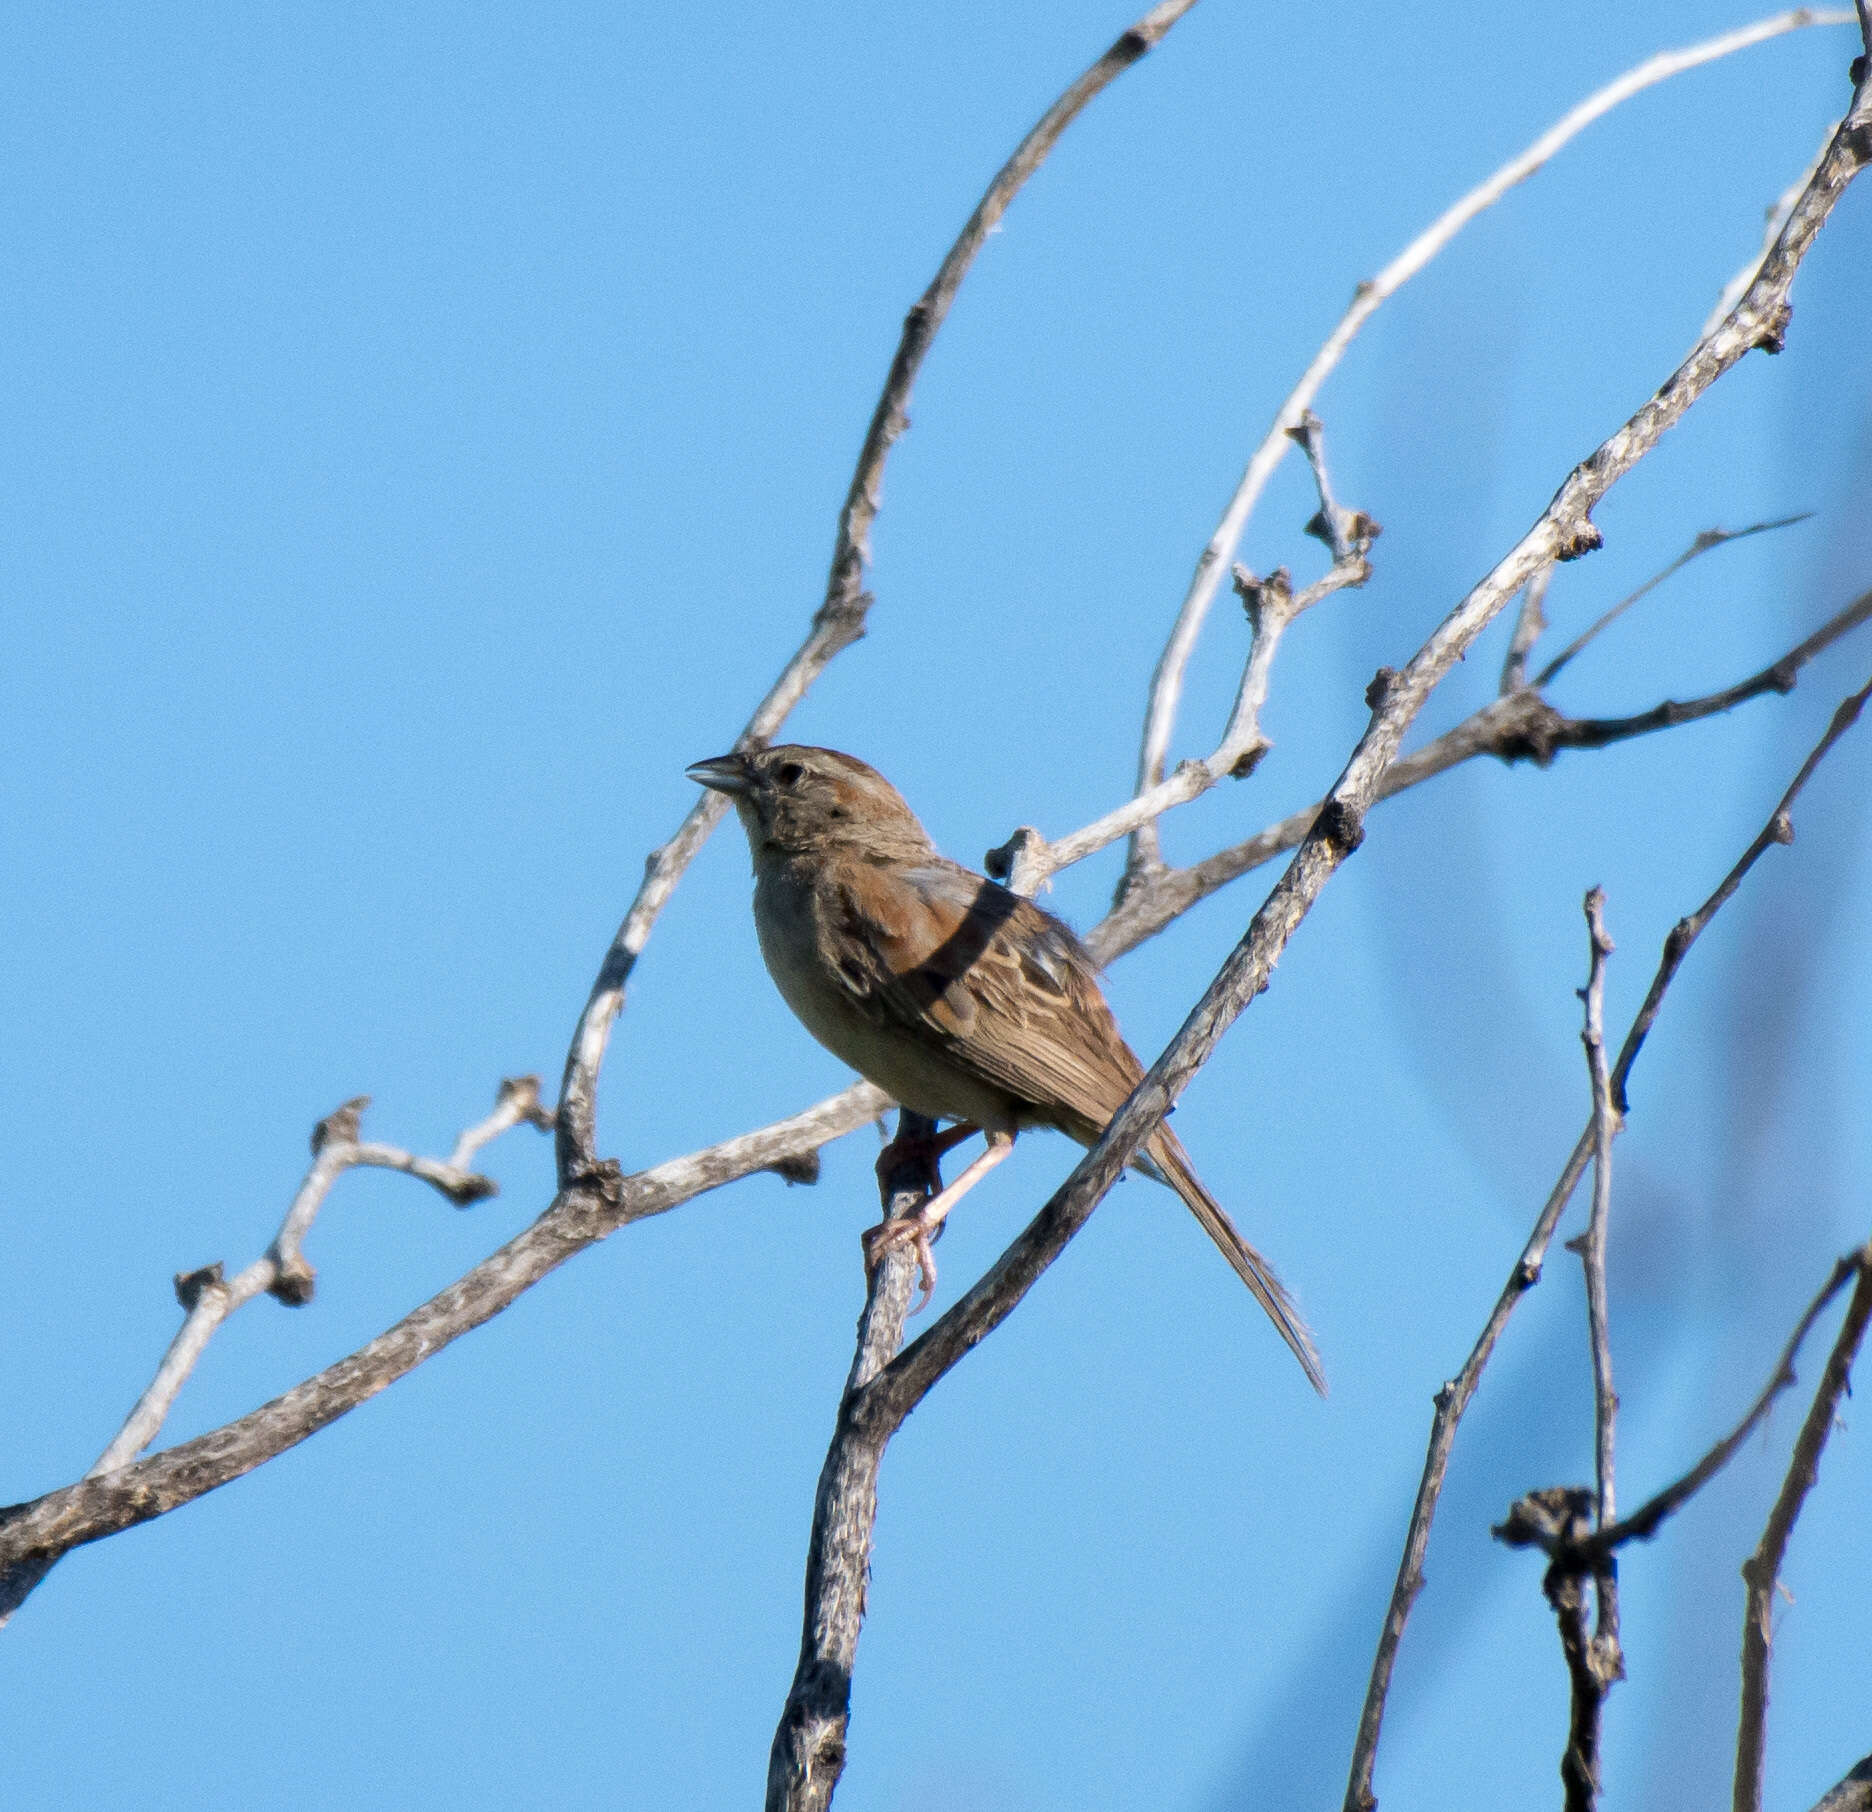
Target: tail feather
[(1170, 1163)]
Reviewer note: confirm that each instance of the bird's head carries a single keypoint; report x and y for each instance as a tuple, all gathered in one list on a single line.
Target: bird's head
[(796, 799)]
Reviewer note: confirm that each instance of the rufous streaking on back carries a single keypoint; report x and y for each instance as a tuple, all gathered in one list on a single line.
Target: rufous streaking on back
[(959, 999)]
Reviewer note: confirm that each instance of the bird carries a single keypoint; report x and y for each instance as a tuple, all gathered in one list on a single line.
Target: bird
[(959, 999)]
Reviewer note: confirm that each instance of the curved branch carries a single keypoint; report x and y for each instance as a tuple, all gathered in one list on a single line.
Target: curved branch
[(1167, 682), (840, 618), (870, 1417)]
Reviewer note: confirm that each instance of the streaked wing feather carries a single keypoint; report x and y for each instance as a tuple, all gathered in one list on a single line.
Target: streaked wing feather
[(1007, 989)]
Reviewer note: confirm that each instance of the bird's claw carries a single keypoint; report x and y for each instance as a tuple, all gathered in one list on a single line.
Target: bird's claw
[(907, 1230)]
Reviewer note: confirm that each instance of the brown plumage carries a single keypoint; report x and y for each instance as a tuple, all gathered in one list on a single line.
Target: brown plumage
[(959, 999)]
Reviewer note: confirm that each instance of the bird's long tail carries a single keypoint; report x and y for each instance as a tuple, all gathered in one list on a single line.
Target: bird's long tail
[(1170, 1162)]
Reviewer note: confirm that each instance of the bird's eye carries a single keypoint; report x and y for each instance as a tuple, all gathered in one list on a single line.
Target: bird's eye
[(788, 773)]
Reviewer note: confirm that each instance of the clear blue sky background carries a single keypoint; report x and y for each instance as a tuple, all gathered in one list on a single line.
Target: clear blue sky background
[(421, 432)]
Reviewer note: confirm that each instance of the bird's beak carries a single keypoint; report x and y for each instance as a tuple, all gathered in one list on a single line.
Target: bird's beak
[(724, 774)]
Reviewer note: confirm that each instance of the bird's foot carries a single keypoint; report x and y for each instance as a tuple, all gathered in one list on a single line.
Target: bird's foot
[(912, 1230), (913, 1158)]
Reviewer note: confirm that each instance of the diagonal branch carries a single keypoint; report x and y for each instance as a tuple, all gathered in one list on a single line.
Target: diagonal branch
[(1453, 1399), (208, 1296), (1166, 687), (1762, 1570), (839, 620), (1521, 726), (1027, 860), (1704, 542), (1563, 531), (48, 1526)]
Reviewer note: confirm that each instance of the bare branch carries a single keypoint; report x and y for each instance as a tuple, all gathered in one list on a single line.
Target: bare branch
[(1774, 219), (839, 620), (1521, 726), (46, 1527), (1853, 1794), (1453, 1400), (1529, 622), (1271, 605), (1607, 1662), (1778, 829), (1708, 539), (1762, 1570), (808, 1753), (208, 1297), (1166, 689), (1650, 1516)]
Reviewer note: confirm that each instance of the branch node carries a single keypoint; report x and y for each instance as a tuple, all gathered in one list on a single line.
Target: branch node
[(1773, 335), (523, 1093), (465, 1188), (1380, 688), (191, 1286), (1021, 863), (1531, 729), (1578, 539), (342, 1123), (294, 1282), (802, 1167), (1341, 824), (1249, 759), (1551, 1519), (1262, 598)]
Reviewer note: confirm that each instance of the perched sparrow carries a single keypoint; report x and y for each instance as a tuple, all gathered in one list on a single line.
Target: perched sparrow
[(960, 1000)]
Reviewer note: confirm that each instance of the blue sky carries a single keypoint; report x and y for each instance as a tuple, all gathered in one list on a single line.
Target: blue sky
[(422, 434)]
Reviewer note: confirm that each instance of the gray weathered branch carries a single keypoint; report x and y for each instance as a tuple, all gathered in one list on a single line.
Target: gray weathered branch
[(1453, 1399), (1761, 1572), (1564, 531)]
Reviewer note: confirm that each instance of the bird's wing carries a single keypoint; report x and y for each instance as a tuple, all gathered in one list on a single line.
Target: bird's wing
[(1005, 990)]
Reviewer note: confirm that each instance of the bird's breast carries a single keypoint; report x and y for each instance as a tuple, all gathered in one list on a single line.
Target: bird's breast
[(800, 932)]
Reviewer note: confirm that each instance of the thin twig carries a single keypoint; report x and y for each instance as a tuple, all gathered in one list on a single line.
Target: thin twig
[(1589, 1549), (1607, 1662), (1762, 1570), (1166, 687), (1455, 1396), (1271, 605), (1778, 829), (48, 1526), (1519, 727), (840, 618), (208, 1296), (1530, 620), (1708, 539)]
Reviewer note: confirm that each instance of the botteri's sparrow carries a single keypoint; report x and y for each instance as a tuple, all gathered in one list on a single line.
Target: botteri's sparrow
[(959, 999)]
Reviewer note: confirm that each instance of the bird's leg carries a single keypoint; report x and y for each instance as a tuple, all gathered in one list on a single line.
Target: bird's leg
[(913, 1147), (920, 1228)]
